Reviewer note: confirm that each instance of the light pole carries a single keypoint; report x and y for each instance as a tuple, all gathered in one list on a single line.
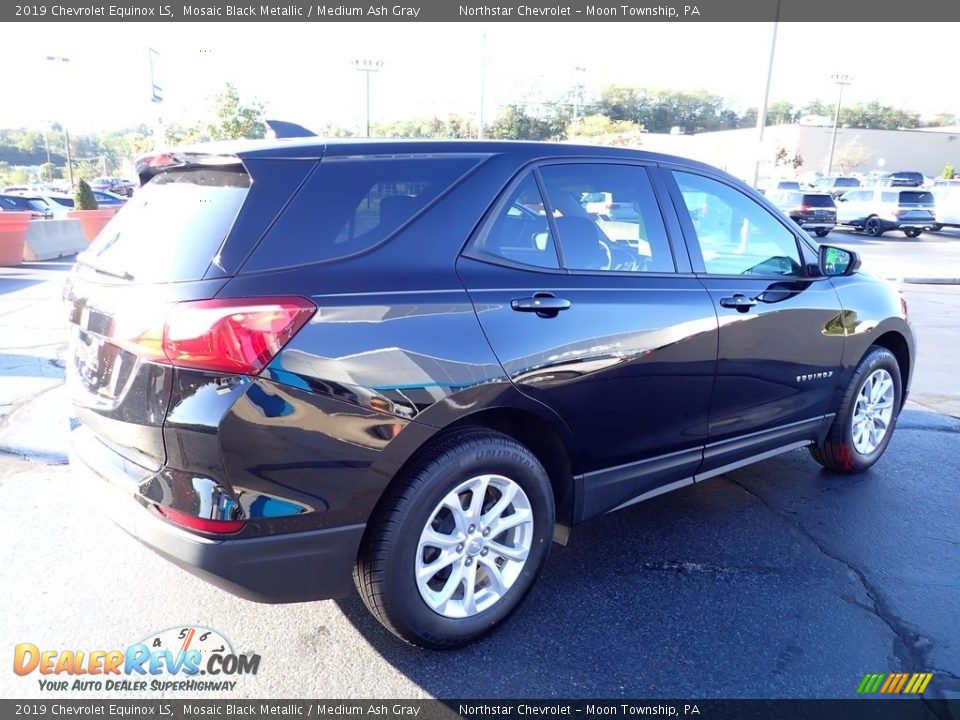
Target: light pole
[(762, 115), (156, 97), (367, 67), (840, 81), (483, 82), (66, 133), (577, 99)]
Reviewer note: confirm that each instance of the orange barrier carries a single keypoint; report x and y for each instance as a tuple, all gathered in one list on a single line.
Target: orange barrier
[(13, 236), (92, 221)]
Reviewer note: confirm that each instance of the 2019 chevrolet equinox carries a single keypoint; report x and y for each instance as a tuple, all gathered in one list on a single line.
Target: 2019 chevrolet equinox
[(303, 366)]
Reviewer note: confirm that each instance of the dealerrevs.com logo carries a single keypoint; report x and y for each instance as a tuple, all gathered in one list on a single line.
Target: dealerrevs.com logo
[(181, 658)]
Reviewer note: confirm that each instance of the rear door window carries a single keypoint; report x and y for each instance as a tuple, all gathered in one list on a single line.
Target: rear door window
[(172, 228), (350, 205), (520, 231)]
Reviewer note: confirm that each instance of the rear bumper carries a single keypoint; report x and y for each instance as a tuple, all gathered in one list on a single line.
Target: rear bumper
[(290, 567)]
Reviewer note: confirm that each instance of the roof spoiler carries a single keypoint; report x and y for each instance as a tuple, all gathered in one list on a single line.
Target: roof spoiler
[(282, 129), (157, 162)]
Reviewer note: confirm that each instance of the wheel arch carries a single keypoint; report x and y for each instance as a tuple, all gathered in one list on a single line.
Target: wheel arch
[(897, 344)]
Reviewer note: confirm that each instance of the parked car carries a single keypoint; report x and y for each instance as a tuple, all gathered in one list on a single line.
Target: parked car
[(107, 199), (836, 186), (816, 212), (878, 210), (296, 362), (603, 206), (117, 185), (767, 186), (15, 203), (946, 197), (906, 178)]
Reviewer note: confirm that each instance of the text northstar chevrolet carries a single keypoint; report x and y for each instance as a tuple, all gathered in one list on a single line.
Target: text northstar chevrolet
[(418, 363)]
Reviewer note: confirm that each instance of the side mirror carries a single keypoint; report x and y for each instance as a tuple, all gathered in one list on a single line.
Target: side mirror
[(833, 261)]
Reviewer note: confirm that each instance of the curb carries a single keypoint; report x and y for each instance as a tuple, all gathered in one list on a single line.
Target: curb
[(926, 280)]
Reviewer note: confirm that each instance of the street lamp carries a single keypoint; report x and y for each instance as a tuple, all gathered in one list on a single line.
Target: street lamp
[(66, 133), (840, 81), (367, 67), (577, 97), (762, 115)]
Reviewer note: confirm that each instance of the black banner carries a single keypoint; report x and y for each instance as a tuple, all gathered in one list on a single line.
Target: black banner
[(857, 11), (874, 709)]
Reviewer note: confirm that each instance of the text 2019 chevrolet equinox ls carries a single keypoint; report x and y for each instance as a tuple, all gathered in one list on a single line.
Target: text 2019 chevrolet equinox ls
[(417, 363)]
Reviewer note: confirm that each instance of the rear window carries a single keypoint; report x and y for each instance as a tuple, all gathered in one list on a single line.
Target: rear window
[(916, 198), (348, 206), (819, 201), (173, 227), (846, 182)]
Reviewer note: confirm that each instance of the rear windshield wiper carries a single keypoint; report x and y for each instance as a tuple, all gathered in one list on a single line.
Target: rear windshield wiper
[(123, 275)]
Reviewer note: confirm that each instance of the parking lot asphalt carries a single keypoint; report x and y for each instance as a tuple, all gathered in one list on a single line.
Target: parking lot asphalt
[(777, 580)]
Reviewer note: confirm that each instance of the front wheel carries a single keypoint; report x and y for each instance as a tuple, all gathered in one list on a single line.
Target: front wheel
[(868, 413), (912, 232), (458, 541)]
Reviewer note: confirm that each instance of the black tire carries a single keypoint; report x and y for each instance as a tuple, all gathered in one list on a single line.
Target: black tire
[(384, 573), (822, 232), (934, 228), (912, 232), (838, 452), (873, 227)]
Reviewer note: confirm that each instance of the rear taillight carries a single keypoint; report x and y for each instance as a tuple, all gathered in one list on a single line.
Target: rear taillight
[(613, 206), (217, 527), (805, 208), (898, 212), (236, 335)]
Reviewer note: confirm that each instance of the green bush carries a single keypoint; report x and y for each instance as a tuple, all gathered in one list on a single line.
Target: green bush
[(83, 198), (948, 171)]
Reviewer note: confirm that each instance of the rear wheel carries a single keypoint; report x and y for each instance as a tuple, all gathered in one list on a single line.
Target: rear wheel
[(822, 232), (912, 232), (873, 227), (935, 228), (868, 413), (458, 542)]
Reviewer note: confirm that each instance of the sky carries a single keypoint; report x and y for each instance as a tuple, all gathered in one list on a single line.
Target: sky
[(303, 71)]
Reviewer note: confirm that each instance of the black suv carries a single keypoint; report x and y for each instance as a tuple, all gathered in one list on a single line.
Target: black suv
[(411, 366), (814, 212)]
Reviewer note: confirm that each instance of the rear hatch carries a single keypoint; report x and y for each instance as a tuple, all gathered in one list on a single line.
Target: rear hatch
[(174, 245), (915, 206), (817, 207)]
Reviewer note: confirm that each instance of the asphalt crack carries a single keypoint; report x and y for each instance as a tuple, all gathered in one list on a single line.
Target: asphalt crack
[(910, 648)]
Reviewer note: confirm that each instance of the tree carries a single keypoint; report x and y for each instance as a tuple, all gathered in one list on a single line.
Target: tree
[(596, 125), (781, 113), (513, 123), (49, 171), (818, 108), (942, 120), (948, 173), (233, 119), (851, 156), (83, 198)]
